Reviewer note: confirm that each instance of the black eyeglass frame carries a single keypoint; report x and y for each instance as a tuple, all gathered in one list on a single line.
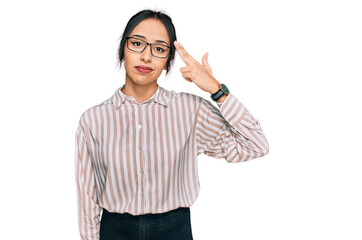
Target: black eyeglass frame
[(151, 44)]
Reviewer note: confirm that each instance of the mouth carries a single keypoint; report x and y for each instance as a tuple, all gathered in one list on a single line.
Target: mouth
[(144, 69)]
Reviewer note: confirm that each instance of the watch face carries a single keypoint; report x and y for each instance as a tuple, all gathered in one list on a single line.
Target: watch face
[(224, 88)]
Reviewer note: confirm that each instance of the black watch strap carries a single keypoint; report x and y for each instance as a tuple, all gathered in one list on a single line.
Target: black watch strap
[(219, 93)]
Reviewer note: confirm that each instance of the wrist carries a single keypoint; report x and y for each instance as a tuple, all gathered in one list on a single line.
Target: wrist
[(214, 87), (220, 94)]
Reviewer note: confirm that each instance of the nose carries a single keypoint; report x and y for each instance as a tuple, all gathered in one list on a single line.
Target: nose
[(146, 55)]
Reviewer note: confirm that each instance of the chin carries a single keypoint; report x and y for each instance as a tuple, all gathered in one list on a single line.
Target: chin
[(140, 79)]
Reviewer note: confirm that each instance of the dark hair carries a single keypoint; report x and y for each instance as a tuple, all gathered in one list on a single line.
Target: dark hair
[(146, 14)]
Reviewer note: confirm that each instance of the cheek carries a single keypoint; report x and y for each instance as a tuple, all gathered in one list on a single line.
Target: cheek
[(161, 65), (129, 61)]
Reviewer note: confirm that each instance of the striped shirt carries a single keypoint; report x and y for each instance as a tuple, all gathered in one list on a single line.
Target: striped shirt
[(142, 157)]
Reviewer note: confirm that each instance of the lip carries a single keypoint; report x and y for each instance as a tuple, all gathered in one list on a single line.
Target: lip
[(144, 69)]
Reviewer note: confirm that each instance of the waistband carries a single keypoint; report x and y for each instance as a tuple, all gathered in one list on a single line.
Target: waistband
[(149, 216)]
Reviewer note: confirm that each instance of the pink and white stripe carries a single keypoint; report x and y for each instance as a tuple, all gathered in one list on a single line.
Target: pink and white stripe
[(142, 157)]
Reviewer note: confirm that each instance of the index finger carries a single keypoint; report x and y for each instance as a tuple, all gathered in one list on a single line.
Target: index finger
[(185, 56)]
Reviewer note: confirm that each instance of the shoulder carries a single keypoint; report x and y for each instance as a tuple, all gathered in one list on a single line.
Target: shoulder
[(93, 111), (192, 101), (185, 97)]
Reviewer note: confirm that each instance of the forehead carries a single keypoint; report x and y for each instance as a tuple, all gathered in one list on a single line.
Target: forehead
[(152, 29)]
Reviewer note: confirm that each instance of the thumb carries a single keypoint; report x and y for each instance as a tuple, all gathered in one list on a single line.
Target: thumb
[(205, 63)]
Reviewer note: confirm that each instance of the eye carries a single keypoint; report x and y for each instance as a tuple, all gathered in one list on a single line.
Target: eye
[(160, 49), (136, 43)]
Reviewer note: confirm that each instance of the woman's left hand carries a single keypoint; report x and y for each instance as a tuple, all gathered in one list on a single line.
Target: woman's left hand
[(200, 74)]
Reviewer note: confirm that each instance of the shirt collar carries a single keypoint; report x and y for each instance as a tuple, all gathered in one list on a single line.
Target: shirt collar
[(161, 96)]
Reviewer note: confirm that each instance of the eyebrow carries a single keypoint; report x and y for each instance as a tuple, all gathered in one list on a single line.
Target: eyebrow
[(140, 36)]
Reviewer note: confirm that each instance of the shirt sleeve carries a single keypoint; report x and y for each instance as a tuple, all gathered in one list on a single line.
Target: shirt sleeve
[(230, 132), (88, 209)]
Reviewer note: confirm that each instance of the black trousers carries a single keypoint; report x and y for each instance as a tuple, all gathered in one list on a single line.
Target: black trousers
[(172, 225)]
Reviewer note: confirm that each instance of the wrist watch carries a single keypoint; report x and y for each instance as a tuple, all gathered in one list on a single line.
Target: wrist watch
[(221, 92)]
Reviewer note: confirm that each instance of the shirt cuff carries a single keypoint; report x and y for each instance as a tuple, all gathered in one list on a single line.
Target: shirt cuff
[(233, 112)]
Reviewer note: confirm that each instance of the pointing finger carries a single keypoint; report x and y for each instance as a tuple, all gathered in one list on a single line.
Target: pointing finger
[(185, 56), (181, 52)]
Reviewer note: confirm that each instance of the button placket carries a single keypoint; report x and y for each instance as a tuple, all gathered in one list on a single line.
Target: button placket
[(141, 162)]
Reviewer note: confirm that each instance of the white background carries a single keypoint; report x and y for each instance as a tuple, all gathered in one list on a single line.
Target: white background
[(294, 64)]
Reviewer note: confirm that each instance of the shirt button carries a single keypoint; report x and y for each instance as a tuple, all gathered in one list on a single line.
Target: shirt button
[(141, 194), (139, 125), (141, 172), (139, 148)]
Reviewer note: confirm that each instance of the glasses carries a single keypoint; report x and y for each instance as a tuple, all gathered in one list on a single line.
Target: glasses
[(157, 50)]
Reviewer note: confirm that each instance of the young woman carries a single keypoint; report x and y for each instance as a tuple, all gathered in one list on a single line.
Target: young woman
[(136, 152)]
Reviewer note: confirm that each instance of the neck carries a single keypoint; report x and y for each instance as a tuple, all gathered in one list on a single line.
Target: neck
[(140, 92)]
